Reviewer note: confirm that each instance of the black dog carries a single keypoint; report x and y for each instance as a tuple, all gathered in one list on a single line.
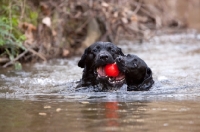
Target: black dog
[(137, 74), (94, 59)]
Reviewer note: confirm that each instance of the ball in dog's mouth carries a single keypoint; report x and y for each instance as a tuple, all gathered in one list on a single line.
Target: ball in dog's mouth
[(116, 78), (111, 70)]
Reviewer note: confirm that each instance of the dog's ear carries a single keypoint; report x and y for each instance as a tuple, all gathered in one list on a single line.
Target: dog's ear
[(81, 63), (120, 52), (145, 85)]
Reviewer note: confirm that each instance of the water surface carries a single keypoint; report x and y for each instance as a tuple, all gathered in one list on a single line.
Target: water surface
[(42, 97)]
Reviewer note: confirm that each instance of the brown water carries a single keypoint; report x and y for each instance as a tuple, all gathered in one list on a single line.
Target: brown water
[(60, 116), (42, 97)]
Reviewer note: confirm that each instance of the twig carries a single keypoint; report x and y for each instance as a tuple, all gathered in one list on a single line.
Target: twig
[(85, 23), (10, 17), (138, 6), (34, 52), (22, 9), (147, 13), (17, 58)]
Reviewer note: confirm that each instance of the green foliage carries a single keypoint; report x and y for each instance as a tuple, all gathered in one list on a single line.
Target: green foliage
[(11, 38), (33, 17), (18, 66), (12, 13), (7, 31), (9, 41)]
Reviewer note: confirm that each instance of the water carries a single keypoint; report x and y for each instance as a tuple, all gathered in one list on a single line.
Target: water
[(61, 116), (42, 97)]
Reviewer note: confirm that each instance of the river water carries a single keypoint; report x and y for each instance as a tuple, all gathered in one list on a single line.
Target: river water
[(41, 97)]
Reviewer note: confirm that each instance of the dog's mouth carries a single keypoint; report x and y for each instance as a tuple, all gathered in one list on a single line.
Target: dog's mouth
[(114, 81)]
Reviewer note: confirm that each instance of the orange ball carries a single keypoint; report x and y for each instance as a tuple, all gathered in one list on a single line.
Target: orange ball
[(111, 70)]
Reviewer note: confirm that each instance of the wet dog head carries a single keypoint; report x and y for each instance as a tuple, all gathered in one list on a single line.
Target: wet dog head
[(94, 59), (138, 75)]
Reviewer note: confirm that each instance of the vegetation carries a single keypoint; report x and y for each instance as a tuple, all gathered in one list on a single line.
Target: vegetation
[(11, 38), (32, 30)]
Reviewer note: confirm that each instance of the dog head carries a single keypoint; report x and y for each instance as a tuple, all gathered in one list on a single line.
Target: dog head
[(138, 75), (95, 58)]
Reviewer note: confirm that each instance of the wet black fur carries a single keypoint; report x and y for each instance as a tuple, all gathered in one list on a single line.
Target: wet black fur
[(98, 54), (137, 74)]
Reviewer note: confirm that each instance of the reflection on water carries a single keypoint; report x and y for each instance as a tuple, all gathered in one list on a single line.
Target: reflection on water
[(42, 97), (59, 116)]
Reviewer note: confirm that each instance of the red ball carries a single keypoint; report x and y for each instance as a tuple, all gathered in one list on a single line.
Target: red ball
[(111, 70)]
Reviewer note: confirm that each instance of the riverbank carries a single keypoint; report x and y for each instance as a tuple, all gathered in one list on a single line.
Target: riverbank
[(41, 30)]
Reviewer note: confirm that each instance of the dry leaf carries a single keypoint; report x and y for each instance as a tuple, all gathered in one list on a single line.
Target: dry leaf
[(104, 4), (47, 21)]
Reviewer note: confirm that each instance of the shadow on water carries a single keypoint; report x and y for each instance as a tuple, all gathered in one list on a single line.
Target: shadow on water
[(42, 96)]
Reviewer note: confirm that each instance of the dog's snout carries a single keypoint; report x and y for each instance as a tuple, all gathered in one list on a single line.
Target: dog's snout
[(119, 59), (103, 57)]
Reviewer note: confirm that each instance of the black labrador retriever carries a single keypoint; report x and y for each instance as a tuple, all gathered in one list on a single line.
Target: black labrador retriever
[(137, 74), (94, 59)]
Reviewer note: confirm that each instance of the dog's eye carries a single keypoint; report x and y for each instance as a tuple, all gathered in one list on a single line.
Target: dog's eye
[(112, 50), (135, 60), (109, 48), (94, 50)]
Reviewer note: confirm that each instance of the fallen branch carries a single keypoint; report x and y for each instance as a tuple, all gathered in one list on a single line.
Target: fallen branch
[(34, 52), (83, 25), (14, 60)]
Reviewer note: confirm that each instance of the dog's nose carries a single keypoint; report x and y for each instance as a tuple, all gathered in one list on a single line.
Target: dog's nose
[(119, 59), (103, 57)]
